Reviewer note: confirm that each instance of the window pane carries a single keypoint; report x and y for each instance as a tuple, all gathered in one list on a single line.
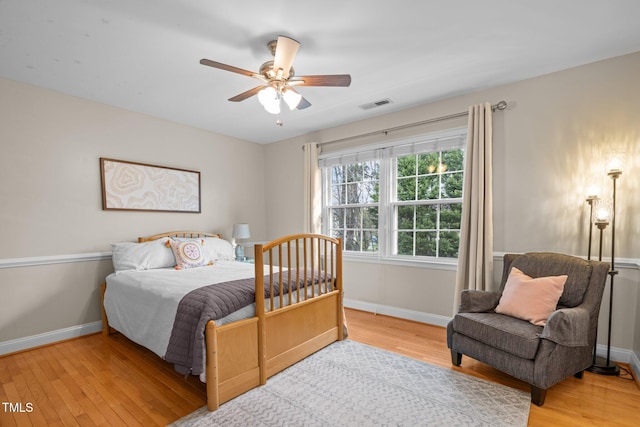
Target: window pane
[(352, 240), (427, 217), (371, 171), (337, 174), (353, 172), (370, 218), (406, 166), (450, 216), (353, 193), (337, 218), (405, 217), (405, 243), (426, 243), (337, 194), (428, 187), (428, 163), (406, 189), (369, 192), (452, 185), (370, 241), (449, 243), (353, 217), (454, 160)]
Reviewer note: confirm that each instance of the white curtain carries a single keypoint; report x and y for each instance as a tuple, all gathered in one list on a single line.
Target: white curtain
[(312, 190), (475, 257)]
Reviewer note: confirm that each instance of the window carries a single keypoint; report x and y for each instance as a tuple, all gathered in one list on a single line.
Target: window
[(400, 201), (354, 205)]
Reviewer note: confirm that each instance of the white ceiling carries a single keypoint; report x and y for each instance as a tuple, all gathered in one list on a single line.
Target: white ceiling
[(143, 55)]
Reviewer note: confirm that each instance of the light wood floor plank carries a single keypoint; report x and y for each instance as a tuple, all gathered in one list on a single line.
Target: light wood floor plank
[(96, 380)]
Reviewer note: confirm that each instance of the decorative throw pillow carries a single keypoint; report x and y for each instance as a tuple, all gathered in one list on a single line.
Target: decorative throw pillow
[(141, 256), (188, 254), (532, 299)]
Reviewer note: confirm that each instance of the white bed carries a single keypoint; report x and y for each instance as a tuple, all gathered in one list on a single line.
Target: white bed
[(244, 348), (148, 319)]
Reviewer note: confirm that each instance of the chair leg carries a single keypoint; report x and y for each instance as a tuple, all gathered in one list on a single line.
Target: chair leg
[(456, 358), (538, 395), (579, 375)]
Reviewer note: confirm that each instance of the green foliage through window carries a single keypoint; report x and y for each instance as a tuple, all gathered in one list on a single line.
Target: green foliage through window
[(422, 212)]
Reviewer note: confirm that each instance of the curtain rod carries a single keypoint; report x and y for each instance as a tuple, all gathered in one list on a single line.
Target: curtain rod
[(499, 106)]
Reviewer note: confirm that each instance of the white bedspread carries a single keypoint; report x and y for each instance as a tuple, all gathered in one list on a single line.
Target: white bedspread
[(142, 305)]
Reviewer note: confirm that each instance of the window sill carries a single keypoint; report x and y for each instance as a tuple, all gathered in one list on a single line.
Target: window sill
[(432, 264)]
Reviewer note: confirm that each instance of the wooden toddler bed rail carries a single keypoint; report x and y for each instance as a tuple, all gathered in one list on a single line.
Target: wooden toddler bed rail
[(287, 327)]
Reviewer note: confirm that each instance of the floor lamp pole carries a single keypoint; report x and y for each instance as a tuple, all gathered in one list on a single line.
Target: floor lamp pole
[(608, 367), (591, 200)]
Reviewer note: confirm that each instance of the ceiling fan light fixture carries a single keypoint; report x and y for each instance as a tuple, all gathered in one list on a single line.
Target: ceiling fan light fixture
[(292, 98), (269, 97)]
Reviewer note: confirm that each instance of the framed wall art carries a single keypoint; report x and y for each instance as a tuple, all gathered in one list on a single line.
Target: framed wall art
[(141, 187)]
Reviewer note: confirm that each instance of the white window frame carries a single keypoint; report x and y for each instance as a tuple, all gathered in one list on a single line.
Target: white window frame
[(386, 154)]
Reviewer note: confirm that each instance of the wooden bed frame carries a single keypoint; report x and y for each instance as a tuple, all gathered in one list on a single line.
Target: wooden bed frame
[(242, 355)]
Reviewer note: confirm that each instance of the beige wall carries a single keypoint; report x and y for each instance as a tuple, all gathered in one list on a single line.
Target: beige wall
[(51, 206), (549, 144)]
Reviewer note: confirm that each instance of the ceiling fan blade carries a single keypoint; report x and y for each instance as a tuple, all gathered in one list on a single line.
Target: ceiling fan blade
[(303, 104), (286, 51), (247, 94), (342, 80), (226, 67)]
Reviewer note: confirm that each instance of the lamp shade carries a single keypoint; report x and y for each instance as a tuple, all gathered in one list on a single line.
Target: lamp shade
[(616, 162), (292, 98), (241, 231), (270, 99)]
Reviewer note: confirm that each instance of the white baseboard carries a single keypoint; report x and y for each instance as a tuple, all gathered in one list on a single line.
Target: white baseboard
[(32, 341), (635, 366), (418, 316), (617, 354)]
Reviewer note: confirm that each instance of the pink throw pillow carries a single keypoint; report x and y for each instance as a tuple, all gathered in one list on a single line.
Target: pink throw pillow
[(530, 299)]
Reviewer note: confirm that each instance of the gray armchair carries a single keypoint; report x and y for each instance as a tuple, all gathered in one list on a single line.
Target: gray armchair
[(539, 355)]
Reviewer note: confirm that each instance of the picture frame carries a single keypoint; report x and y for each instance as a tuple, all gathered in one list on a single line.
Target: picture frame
[(134, 186)]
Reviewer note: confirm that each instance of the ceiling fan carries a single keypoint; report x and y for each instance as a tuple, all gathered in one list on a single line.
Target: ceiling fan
[(278, 78)]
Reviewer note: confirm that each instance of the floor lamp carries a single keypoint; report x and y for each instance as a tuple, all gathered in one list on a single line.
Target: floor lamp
[(606, 366)]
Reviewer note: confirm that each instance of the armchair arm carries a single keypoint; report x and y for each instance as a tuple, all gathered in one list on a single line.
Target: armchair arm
[(568, 327), (472, 301)]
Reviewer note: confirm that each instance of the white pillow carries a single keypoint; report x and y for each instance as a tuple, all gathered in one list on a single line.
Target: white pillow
[(142, 256), (218, 249)]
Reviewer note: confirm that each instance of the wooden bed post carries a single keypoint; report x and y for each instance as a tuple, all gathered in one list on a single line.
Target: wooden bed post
[(259, 274), (106, 330), (213, 392)]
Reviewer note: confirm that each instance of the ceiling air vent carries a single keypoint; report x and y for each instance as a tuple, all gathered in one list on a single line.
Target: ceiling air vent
[(375, 104)]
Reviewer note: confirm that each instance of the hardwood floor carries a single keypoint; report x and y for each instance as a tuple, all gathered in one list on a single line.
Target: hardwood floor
[(96, 380)]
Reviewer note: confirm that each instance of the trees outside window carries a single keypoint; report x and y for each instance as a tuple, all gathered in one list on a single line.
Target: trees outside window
[(427, 206), (397, 206)]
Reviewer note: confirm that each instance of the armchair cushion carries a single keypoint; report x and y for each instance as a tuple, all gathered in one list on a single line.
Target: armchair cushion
[(568, 327), (472, 301), (509, 334), (530, 299)]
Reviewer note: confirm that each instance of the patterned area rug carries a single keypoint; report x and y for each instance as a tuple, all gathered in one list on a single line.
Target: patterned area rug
[(353, 384)]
